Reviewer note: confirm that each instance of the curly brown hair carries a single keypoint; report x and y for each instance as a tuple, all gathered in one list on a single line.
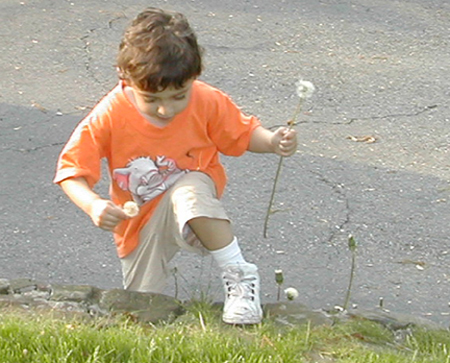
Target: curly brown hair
[(159, 49)]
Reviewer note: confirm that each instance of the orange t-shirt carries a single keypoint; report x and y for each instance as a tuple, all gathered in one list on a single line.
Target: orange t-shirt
[(145, 160)]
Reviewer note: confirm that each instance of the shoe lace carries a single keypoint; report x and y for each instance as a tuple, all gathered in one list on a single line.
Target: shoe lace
[(238, 285)]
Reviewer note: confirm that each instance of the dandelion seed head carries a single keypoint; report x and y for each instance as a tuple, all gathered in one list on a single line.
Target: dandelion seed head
[(305, 89), (131, 209), (291, 293)]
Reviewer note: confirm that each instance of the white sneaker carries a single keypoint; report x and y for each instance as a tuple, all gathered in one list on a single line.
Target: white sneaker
[(242, 302)]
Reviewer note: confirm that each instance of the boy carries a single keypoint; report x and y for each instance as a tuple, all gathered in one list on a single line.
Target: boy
[(161, 131)]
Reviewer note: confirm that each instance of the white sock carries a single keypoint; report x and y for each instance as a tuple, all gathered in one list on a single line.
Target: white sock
[(230, 254)]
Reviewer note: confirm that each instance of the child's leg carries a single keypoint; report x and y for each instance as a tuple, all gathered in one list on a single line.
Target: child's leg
[(240, 279), (202, 214), (217, 237), (145, 269), (213, 233), (190, 216)]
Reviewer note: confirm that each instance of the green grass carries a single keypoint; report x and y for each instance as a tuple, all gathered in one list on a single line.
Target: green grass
[(200, 336)]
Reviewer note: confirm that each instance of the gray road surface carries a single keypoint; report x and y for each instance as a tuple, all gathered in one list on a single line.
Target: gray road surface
[(381, 70)]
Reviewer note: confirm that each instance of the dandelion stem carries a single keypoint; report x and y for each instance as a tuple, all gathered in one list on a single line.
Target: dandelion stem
[(296, 113), (279, 278), (352, 273), (352, 247), (272, 196), (175, 271), (269, 211)]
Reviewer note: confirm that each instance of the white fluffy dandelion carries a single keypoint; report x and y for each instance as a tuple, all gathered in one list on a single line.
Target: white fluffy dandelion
[(305, 89), (131, 209), (291, 293)]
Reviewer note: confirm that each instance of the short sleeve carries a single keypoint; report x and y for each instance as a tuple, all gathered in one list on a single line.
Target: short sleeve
[(229, 128), (81, 156)]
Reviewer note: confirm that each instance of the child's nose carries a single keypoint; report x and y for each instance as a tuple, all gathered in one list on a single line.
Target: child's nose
[(165, 110)]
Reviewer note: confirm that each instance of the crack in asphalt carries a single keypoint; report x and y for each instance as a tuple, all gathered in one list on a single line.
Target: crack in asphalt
[(111, 21), (87, 63), (34, 148), (411, 114), (353, 119), (339, 190)]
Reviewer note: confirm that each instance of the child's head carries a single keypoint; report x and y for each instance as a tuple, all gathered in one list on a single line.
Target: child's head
[(159, 49)]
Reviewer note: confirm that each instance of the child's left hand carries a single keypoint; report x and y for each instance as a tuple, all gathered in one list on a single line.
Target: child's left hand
[(284, 141)]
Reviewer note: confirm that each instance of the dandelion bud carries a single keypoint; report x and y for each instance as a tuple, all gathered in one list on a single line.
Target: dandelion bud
[(131, 209), (291, 293), (305, 89), (279, 277), (351, 243)]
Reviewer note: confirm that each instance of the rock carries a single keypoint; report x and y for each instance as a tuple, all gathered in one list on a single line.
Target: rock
[(394, 321), (5, 287), (23, 285), (145, 307), (67, 306), (7, 301), (76, 293), (292, 314), (88, 302), (37, 294)]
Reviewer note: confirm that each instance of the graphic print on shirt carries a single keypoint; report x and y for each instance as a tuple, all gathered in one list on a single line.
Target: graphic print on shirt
[(146, 178)]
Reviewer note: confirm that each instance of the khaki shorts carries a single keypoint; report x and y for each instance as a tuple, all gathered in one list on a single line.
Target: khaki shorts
[(193, 195)]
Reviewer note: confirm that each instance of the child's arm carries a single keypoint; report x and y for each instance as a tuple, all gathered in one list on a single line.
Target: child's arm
[(104, 213), (282, 142)]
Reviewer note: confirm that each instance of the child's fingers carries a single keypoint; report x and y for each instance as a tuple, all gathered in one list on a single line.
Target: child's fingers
[(281, 132), (288, 144), (289, 134), (106, 215), (285, 141), (289, 139)]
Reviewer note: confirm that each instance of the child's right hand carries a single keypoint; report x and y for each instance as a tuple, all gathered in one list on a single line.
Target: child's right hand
[(106, 215)]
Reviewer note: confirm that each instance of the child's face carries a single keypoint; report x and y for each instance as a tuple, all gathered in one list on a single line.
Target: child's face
[(161, 107)]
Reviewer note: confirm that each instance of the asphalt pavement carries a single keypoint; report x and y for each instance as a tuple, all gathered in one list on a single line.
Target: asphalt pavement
[(373, 158)]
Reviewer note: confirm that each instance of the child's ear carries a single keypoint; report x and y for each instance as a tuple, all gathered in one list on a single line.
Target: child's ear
[(120, 73)]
